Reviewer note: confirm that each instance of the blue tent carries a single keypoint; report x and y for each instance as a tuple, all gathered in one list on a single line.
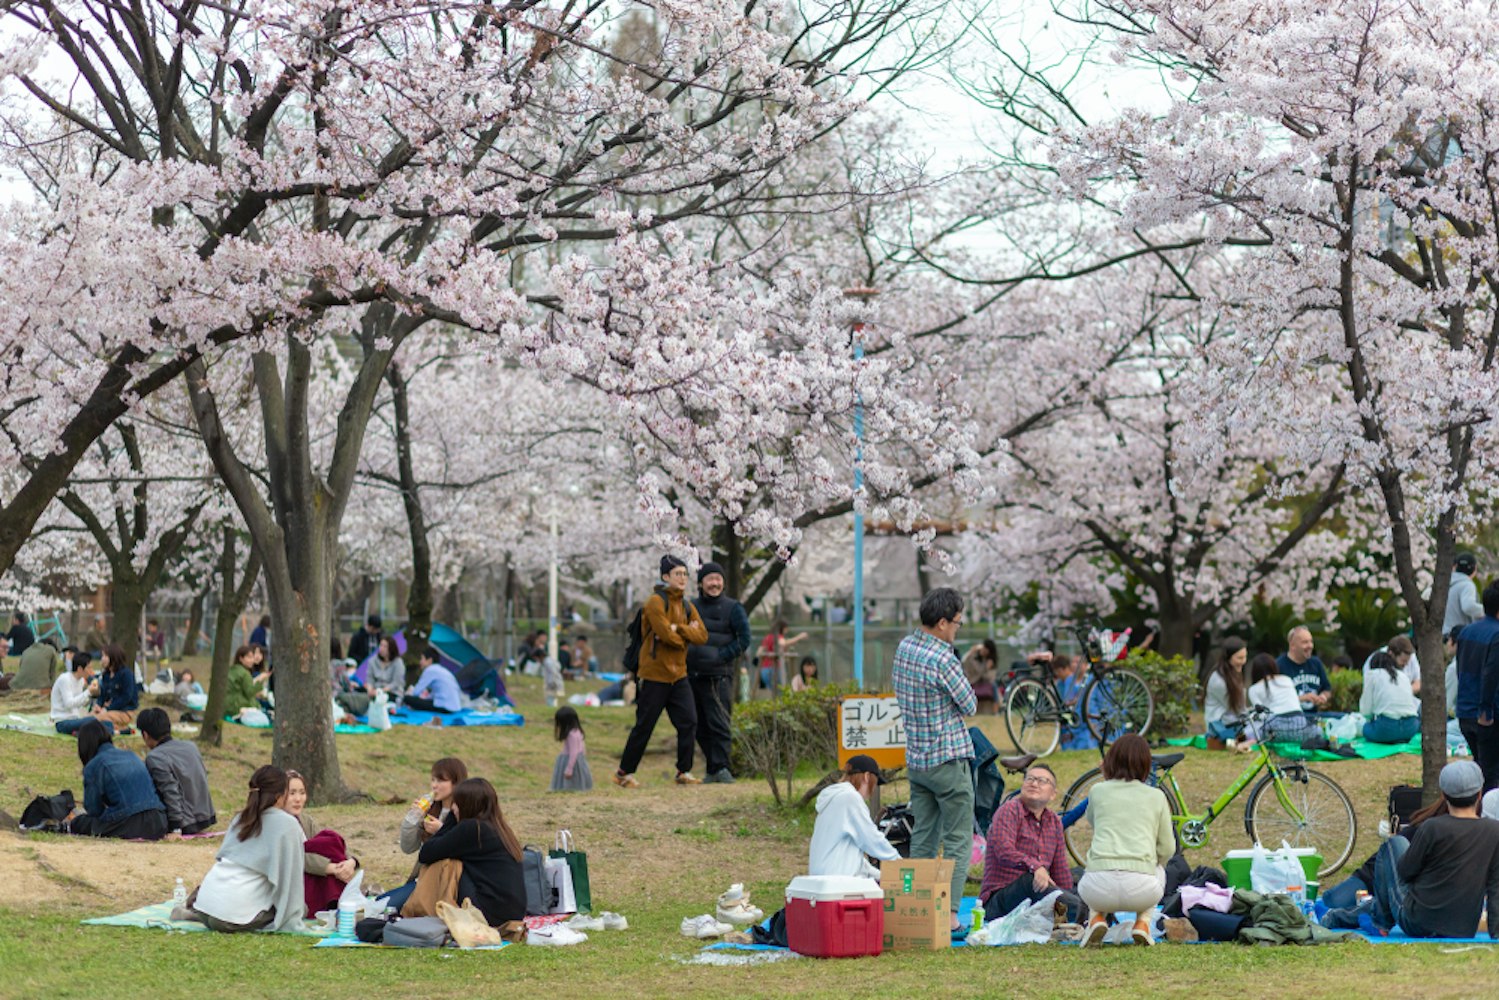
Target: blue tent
[(457, 654)]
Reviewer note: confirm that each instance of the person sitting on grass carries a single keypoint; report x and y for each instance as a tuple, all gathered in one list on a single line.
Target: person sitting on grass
[(40, 665), (256, 880), (428, 816), (1025, 856), (241, 693), (189, 693), (477, 858), (327, 865), (1224, 706), (387, 670), (71, 694), (1132, 841), (1275, 692), (116, 694), (1344, 895), (119, 799), (1435, 884), (1388, 701), (436, 690), (178, 773), (844, 837)]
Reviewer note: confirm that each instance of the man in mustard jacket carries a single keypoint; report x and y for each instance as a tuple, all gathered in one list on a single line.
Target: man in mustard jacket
[(668, 625)]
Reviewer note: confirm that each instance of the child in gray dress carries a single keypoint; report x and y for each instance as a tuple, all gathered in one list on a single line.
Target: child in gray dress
[(570, 773)]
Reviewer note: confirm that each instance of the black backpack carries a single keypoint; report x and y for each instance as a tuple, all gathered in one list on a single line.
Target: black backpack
[(635, 633), (48, 811)]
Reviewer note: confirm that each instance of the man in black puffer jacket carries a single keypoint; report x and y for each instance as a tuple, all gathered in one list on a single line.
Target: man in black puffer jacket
[(711, 668)]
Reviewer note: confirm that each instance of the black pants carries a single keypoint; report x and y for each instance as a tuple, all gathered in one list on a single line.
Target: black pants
[(713, 697), (199, 827), (148, 825), (1023, 890), (1483, 743), (650, 699), (424, 705)]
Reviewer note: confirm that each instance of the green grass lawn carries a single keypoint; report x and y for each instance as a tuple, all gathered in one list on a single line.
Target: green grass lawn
[(656, 854)]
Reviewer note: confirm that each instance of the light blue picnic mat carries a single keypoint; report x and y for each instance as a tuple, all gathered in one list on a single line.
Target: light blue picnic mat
[(467, 717), (334, 941), (158, 916)]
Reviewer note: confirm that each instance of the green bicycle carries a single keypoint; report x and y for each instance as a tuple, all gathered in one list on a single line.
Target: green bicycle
[(1290, 802)]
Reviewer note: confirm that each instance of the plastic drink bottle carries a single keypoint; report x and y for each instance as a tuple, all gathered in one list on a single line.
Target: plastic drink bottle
[(179, 894)]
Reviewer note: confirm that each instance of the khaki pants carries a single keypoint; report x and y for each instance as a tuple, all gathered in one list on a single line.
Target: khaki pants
[(437, 882), (120, 719)]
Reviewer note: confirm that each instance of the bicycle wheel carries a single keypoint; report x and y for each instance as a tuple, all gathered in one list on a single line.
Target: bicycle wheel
[(1033, 716), (1079, 835), (1328, 822), (1116, 703)]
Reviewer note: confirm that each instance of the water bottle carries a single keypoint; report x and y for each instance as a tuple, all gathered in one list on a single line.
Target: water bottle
[(179, 895), (978, 918)]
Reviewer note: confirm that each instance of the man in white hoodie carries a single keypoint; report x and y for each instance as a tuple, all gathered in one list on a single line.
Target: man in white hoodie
[(844, 836), (1463, 606)]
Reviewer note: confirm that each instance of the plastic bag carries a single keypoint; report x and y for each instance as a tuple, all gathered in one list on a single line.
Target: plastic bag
[(379, 714), (1349, 727), (352, 896), (255, 718), (1275, 871), (1028, 923)]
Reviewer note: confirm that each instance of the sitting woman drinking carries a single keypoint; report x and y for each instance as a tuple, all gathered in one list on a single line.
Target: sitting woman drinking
[(256, 881), (119, 797), (428, 816), (327, 865), (477, 858)]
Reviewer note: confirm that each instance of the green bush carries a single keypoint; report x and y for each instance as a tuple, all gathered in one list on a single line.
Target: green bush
[(1347, 688), (1173, 685), (774, 738)]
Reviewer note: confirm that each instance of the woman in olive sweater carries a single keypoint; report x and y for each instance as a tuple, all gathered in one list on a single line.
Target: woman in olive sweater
[(477, 858), (1132, 841)]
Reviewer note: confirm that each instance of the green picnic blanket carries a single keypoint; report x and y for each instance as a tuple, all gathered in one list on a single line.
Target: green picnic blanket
[(1361, 747), (38, 724), (159, 917)]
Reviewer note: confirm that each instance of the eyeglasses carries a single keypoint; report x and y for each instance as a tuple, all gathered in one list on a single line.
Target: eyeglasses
[(1037, 779)]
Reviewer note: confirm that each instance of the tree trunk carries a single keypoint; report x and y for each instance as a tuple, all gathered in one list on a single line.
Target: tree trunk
[(451, 607), (419, 599), (728, 552), (1177, 634), (194, 624), (232, 600), (130, 595)]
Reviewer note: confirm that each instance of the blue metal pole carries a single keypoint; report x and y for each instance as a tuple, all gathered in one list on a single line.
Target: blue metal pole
[(858, 530)]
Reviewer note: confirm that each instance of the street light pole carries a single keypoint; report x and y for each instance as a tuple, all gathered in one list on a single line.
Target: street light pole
[(552, 593), (860, 295)]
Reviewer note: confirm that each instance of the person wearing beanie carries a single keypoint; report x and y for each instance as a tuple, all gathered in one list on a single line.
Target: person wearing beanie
[(1463, 607), (712, 666), (1435, 884), (669, 624)]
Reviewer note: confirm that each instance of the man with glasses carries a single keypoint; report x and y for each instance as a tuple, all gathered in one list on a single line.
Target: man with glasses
[(934, 696), (1025, 857)]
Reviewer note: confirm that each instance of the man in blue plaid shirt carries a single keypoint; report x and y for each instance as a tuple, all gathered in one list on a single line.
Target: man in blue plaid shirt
[(934, 696)]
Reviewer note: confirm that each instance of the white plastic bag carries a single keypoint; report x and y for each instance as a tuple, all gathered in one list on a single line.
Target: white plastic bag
[(255, 718), (352, 896), (1349, 727), (379, 714), (560, 877), (1275, 871), (1028, 923)]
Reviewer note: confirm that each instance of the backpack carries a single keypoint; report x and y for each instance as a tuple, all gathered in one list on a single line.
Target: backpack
[(48, 811), (635, 633), (415, 932), (1405, 802)]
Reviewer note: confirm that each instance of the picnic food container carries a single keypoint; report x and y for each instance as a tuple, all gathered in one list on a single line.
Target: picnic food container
[(834, 916)]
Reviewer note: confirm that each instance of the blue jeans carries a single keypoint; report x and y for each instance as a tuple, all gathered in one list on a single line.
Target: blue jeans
[(1223, 730), (1344, 894), (1388, 891), (1385, 729), (70, 726), (397, 897)]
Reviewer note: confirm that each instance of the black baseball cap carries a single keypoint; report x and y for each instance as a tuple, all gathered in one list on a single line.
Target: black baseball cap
[(864, 764)]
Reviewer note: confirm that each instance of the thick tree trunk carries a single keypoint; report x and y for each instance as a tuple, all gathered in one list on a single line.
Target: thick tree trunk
[(419, 599), (130, 595), (233, 596), (194, 624), (728, 552), (451, 607), (1177, 634)]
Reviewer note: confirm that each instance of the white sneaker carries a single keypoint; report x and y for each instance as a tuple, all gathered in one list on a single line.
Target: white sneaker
[(704, 927), (584, 922), (614, 921), (554, 935), (740, 914)]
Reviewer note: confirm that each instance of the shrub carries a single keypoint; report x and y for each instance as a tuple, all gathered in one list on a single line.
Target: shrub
[(1347, 688), (774, 738), (1173, 685)]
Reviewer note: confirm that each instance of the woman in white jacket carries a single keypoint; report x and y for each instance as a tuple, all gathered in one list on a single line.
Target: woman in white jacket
[(1388, 702), (844, 836)]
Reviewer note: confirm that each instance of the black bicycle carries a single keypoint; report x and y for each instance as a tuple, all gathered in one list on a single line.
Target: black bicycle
[(1114, 702)]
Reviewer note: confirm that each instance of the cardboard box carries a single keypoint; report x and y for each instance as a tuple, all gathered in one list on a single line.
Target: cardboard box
[(918, 907)]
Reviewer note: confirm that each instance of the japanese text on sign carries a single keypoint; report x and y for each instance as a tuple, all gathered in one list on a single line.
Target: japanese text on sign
[(872, 725)]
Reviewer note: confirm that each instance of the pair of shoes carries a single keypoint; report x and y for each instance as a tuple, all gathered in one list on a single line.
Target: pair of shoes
[(584, 922), (1098, 926), (686, 778), (625, 780), (1063, 933), (704, 927), (555, 935), (722, 777), (1140, 933), (734, 907), (614, 921)]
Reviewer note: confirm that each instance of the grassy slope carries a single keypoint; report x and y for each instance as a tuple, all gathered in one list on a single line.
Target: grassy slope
[(657, 855)]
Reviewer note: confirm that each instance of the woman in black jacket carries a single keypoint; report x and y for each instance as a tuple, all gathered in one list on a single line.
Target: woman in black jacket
[(477, 857)]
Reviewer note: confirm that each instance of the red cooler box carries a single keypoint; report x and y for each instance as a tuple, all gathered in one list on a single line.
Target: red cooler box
[(834, 916)]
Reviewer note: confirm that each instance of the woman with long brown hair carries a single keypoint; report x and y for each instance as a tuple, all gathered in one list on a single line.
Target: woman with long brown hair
[(256, 880), (1226, 702), (844, 834), (477, 858)]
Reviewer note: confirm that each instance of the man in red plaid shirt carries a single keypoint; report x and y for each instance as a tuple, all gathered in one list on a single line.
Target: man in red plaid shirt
[(1025, 857)]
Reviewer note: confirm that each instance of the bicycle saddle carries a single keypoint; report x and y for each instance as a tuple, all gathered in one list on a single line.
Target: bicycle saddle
[(1166, 761), (1020, 763)]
